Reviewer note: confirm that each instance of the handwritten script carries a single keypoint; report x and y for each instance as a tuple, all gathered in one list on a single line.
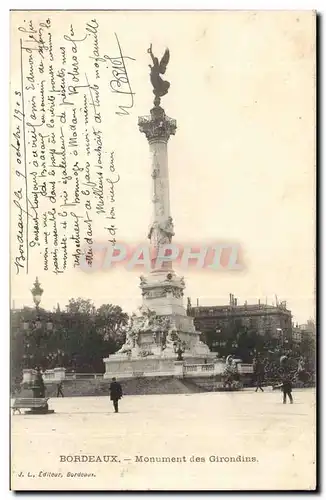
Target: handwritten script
[(65, 172)]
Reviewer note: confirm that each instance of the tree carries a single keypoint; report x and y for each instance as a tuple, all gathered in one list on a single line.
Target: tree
[(80, 305), (80, 338), (30, 341), (111, 320), (308, 350)]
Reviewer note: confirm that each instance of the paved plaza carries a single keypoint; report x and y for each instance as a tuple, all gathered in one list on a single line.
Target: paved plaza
[(214, 428)]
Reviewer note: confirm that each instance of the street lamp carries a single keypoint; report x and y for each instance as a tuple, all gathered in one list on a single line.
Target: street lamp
[(34, 333), (37, 293), (35, 330)]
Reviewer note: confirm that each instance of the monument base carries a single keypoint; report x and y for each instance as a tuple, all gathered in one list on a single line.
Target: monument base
[(161, 339), (154, 366)]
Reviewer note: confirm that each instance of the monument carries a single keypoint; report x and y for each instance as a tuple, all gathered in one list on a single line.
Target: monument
[(160, 336)]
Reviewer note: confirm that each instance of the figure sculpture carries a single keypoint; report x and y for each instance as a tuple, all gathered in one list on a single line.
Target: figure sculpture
[(160, 86), (167, 229), (143, 280), (129, 344), (132, 336), (230, 372), (301, 365), (161, 233)]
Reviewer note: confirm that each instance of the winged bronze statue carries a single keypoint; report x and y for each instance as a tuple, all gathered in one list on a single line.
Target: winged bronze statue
[(160, 86)]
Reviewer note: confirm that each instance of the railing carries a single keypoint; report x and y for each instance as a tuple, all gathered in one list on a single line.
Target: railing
[(214, 369), (190, 368), (244, 368), (205, 369), (49, 375), (198, 368), (83, 376)]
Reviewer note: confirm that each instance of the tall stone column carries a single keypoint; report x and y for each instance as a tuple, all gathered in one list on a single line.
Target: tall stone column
[(162, 290), (158, 127)]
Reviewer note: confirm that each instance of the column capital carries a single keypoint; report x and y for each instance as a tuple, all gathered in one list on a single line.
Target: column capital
[(157, 126)]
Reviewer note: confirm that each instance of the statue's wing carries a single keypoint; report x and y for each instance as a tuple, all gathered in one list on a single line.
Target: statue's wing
[(164, 61)]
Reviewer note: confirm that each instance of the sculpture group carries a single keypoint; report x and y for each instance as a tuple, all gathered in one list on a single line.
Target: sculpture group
[(161, 328)]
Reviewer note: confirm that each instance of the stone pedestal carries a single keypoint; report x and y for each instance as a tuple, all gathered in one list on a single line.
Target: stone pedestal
[(178, 369), (219, 367), (59, 374), (151, 366), (163, 292)]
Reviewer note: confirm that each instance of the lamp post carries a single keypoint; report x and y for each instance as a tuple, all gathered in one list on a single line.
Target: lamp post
[(37, 293), (35, 334)]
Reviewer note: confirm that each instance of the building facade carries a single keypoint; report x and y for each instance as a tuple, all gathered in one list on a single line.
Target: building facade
[(221, 325), (308, 343), (296, 335), (305, 333)]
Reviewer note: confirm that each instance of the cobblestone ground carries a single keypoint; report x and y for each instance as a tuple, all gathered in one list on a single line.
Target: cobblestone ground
[(204, 433)]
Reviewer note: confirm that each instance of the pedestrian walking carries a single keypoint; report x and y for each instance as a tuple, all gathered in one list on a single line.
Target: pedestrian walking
[(115, 394), (287, 388), (39, 386), (59, 390), (259, 374), (259, 382)]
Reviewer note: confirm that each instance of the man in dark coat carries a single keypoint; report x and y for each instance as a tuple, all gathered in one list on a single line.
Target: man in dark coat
[(59, 389), (259, 371), (115, 393), (287, 387), (39, 386)]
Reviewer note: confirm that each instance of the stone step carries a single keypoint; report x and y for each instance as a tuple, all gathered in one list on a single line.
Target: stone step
[(131, 386)]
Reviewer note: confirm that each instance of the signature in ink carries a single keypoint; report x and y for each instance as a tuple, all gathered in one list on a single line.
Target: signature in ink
[(120, 83)]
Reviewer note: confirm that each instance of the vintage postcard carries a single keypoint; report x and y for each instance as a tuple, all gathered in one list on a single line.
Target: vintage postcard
[(163, 332)]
